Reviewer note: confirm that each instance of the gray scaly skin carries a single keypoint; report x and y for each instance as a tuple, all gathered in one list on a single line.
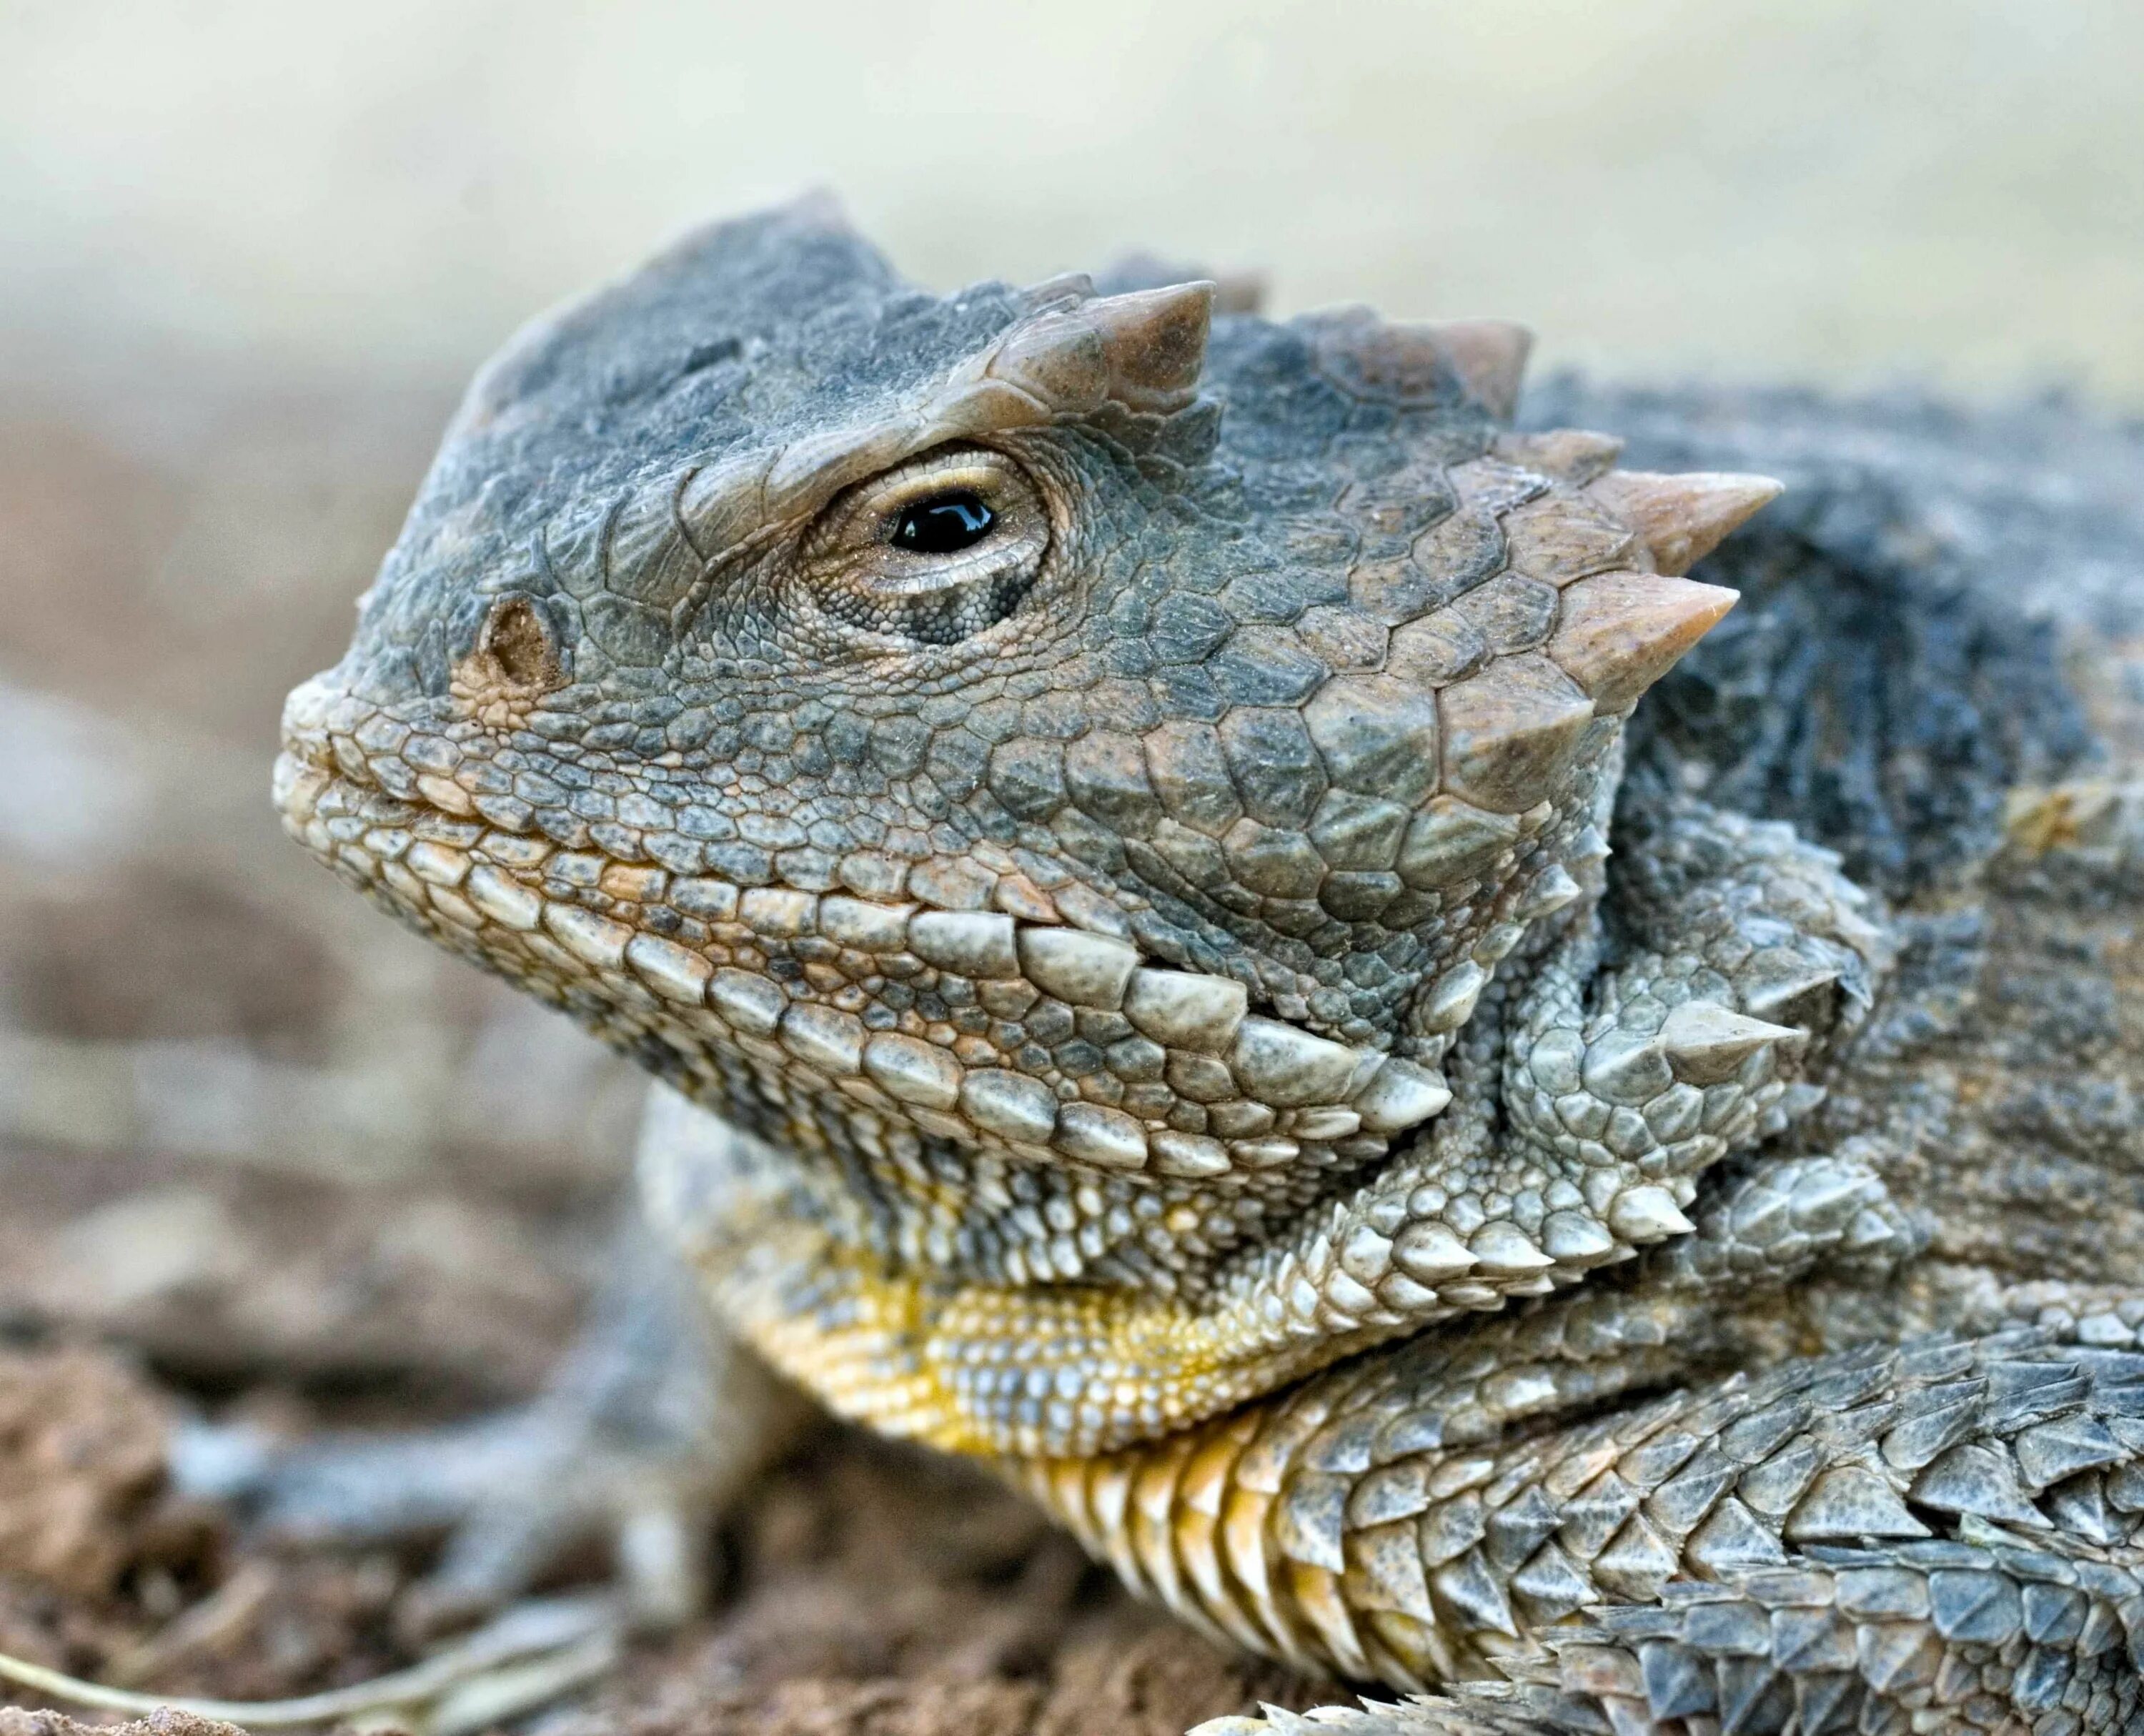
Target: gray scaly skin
[(1124, 828)]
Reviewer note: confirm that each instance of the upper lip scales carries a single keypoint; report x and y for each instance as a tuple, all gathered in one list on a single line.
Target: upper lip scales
[(309, 736)]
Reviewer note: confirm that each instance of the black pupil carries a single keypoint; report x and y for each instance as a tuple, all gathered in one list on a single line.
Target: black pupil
[(943, 524)]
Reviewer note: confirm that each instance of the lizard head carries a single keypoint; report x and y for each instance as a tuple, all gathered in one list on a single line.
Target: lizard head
[(1016, 733)]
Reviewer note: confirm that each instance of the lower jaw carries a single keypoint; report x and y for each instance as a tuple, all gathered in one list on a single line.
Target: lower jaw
[(958, 1024)]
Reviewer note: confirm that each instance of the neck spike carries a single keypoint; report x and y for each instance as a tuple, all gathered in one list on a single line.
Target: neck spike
[(1683, 518)]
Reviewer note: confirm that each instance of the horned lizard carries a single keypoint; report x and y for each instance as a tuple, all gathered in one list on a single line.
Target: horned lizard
[(1182, 960)]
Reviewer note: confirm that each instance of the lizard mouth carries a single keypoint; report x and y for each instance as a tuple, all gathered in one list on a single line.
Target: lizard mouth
[(1050, 1036)]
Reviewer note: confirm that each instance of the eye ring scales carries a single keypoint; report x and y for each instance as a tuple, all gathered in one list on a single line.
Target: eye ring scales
[(936, 552)]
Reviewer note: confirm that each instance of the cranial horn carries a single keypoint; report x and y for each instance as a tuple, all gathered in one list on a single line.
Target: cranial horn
[(1155, 342), (1683, 518), (1144, 349), (1488, 356)]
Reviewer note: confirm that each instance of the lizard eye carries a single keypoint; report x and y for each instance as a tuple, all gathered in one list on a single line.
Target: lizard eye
[(943, 524), (943, 547)]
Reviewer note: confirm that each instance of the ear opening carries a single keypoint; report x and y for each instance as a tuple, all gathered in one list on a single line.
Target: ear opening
[(517, 640)]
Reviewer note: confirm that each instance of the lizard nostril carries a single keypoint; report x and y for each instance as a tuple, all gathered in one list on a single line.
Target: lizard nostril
[(519, 643)]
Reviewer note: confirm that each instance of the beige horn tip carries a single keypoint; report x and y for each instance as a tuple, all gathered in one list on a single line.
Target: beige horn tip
[(1619, 632), (1490, 358), (1155, 341), (1684, 518)]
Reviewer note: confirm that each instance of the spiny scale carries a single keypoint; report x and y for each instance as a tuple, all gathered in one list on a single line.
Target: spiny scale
[(1345, 1527), (1621, 632), (1684, 518)]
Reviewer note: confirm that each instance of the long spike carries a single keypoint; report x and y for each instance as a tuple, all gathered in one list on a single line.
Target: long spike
[(1619, 632), (1684, 518), (1705, 1042)]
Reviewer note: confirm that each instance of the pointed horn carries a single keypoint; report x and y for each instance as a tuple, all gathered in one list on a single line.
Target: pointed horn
[(1647, 1213), (1401, 1095), (1155, 341), (1056, 359), (1488, 356), (1619, 632), (1550, 893), (1144, 349), (1683, 518), (1705, 1042)]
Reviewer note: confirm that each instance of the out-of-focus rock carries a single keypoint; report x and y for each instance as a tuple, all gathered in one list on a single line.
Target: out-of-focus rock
[(82, 1496)]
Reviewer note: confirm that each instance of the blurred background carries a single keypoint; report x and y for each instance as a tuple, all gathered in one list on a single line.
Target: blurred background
[(249, 251)]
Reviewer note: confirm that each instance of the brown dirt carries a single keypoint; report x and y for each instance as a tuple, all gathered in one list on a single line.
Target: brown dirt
[(872, 1591), (82, 1458), (105, 1573)]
